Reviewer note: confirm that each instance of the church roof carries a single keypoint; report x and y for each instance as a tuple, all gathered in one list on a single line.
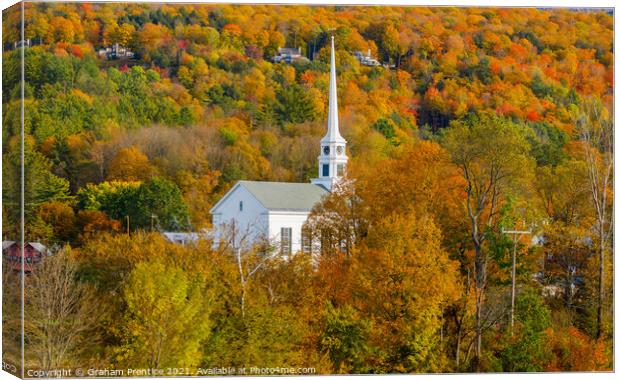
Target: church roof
[(285, 196), (282, 196)]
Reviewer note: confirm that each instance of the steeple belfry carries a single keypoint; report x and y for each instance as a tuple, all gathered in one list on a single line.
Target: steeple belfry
[(333, 157)]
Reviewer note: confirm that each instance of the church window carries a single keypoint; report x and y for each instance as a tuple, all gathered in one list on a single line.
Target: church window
[(286, 240), (340, 150), (340, 170), (326, 150), (240, 205), (306, 240), (325, 172)]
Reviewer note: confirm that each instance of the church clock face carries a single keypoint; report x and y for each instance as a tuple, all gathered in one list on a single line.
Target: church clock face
[(339, 150), (326, 150)]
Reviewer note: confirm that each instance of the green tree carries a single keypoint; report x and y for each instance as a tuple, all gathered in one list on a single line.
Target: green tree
[(492, 155), (167, 317), (163, 200), (40, 185), (157, 202), (526, 349), (345, 339), (547, 142), (101, 196), (295, 106), (62, 114), (385, 127)]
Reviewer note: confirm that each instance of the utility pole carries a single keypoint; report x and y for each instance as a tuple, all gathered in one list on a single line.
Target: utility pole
[(516, 235), (127, 224)]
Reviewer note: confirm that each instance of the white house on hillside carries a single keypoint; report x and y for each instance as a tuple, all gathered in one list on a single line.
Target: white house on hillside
[(275, 212), (289, 55), (366, 59)]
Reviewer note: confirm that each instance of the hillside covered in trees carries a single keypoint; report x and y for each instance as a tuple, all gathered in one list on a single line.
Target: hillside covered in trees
[(482, 120)]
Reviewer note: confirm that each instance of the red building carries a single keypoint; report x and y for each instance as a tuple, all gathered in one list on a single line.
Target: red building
[(33, 253)]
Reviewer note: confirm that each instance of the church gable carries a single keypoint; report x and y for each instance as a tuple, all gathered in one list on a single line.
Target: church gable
[(238, 199)]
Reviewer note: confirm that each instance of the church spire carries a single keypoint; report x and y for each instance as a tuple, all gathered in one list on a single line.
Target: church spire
[(333, 157), (333, 132)]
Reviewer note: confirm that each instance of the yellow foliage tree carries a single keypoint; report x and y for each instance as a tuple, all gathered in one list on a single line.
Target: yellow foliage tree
[(130, 164)]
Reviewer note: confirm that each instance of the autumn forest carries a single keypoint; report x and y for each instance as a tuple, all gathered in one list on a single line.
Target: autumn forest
[(473, 231)]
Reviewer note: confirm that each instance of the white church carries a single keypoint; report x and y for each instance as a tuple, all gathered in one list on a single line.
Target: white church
[(275, 212)]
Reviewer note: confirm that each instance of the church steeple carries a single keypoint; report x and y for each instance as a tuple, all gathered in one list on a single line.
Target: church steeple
[(333, 132), (333, 157)]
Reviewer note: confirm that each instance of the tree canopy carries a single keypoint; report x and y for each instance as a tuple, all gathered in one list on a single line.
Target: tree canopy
[(476, 121)]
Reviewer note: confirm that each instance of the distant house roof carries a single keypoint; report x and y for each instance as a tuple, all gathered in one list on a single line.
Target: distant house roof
[(37, 246), (282, 196), (289, 51), (289, 55)]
